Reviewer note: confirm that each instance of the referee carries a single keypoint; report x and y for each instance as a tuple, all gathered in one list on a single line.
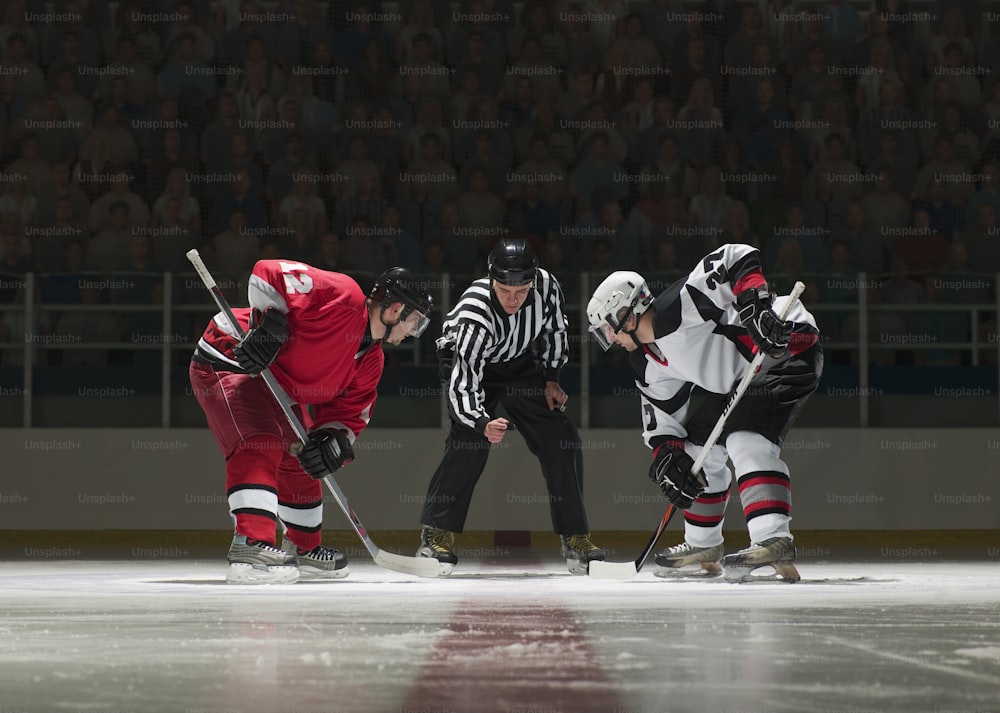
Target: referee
[(486, 358)]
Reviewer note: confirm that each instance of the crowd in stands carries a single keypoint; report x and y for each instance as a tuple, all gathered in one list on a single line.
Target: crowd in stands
[(838, 137)]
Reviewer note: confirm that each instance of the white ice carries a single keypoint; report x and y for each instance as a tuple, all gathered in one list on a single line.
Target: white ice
[(851, 637)]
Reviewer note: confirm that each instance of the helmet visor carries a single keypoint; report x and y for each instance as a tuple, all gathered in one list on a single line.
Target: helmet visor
[(415, 323), (607, 331)]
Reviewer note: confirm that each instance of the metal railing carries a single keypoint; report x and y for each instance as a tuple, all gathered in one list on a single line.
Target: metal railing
[(965, 335)]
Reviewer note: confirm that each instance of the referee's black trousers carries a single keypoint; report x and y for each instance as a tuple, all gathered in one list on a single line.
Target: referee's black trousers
[(518, 386)]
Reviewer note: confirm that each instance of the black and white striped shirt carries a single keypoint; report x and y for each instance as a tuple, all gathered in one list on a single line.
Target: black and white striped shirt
[(480, 332)]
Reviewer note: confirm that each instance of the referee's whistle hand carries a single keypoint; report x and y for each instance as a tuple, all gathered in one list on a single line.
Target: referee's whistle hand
[(495, 430), (555, 397)]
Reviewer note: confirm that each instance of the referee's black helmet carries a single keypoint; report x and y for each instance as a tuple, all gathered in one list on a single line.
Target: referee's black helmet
[(513, 262)]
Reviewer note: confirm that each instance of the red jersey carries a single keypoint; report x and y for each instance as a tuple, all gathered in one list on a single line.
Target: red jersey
[(319, 365)]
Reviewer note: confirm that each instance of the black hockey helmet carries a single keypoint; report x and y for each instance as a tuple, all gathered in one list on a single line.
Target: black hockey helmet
[(513, 262), (397, 284)]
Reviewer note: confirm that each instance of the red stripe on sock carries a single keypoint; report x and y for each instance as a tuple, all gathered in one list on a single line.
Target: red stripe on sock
[(783, 505), (703, 519), (712, 499), (764, 480)]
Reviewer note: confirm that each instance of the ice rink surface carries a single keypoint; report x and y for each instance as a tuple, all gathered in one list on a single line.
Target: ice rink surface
[(519, 637)]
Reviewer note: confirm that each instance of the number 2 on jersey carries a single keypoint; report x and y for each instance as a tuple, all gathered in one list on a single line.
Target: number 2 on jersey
[(301, 282)]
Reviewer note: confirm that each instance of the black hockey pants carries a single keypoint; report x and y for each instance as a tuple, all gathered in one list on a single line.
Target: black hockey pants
[(518, 386)]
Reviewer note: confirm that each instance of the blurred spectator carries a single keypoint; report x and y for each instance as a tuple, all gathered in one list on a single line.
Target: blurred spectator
[(944, 216), (789, 175), (952, 31), (187, 24), (433, 260), (809, 241), (365, 252), (406, 245), (865, 246), (787, 259), (711, 204), (420, 211), (467, 95), (743, 90), (921, 247), (841, 285), (825, 208), (668, 174), (242, 195), (461, 248), (295, 39), (355, 165), (638, 115), (518, 109), (959, 280), (964, 141), (92, 326), (258, 59), (406, 103), (692, 70), (596, 170), (74, 59), (988, 193), (537, 20), (434, 77), (428, 121), (63, 186), (641, 52), (703, 121), (165, 114), (531, 217), (946, 167), (64, 286), (253, 100), (177, 186), (13, 265), (483, 159), (141, 273), (886, 208), (485, 113), (116, 93), (185, 77), (331, 81), (251, 21), (119, 142), (169, 160), (17, 197), (300, 242), (15, 22), (131, 23), (302, 198), (579, 95), (583, 50), (881, 67), (739, 50), (420, 21), (489, 66), (284, 167), (983, 241), (547, 124), (171, 236), (533, 65), (616, 82), (29, 163), (812, 85), (29, 78), (883, 327), (366, 203), (328, 255), (833, 120), (692, 30), (889, 113), (901, 288), (481, 211), (238, 159), (51, 238), (234, 250), (735, 230), (13, 106), (107, 251), (840, 22), (120, 191), (759, 128), (540, 167), (373, 80), (352, 42), (903, 169)]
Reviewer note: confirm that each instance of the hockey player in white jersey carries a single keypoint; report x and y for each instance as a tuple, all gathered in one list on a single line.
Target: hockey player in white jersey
[(697, 338)]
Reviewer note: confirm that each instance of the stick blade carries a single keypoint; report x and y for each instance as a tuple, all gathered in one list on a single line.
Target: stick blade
[(419, 566), (612, 570)]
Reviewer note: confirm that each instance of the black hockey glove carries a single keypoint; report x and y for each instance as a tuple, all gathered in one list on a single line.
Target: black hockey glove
[(326, 451), (671, 470), (260, 345), (769, 333)]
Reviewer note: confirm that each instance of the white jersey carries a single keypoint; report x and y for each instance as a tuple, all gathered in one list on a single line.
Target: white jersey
[(699, 340)]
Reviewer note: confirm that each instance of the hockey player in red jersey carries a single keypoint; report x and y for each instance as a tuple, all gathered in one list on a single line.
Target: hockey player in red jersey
[(321, 338), (697, 338)]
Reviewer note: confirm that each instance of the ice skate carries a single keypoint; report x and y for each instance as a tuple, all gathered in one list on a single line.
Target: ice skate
[(676, 561), (256, 562), (579, 552), (318, 563), (440, 545), (776, 552)]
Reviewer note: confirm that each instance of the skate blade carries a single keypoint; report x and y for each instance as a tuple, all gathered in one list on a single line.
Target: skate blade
[(782, 572), (707, 570), (307, 573), (577, 567), (445, 568), (241, 573)]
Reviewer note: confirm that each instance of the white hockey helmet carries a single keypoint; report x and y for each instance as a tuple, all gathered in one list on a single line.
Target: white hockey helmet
[(621, 295)]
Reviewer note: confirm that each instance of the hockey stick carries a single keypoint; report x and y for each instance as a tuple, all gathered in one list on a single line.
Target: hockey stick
[(421, 566), (627, 570)]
